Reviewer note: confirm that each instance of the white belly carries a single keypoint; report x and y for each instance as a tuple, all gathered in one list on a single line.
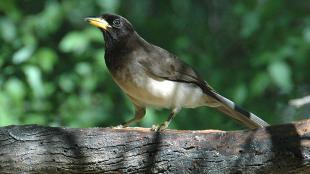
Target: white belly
[(176, 94), (165, 93)]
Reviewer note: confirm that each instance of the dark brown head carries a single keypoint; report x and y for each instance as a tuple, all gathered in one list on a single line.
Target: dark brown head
[(116, 29)]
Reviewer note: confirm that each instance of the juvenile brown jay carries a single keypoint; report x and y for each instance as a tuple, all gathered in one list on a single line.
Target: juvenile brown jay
[(151, 76)]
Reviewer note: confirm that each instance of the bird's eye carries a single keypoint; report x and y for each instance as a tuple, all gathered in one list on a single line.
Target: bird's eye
[(117, 23)]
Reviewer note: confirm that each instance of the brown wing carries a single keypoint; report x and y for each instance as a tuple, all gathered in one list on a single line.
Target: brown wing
[(162, 64)]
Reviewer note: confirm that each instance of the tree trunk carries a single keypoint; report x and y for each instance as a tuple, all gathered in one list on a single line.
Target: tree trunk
[(39, 149)]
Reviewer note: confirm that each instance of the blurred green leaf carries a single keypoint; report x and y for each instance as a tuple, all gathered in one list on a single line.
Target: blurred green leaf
[(263, 58), (6, 119), (240, 8), (7, 29), (100, 62), (28, 39), (281, 75), (89, 82), (66, 82), (285, 52), (35, 119), (182, 43), (109, 5), (7, 114), (51, 12), (10, 8), (260, 83), (307, 34), (46, 58), (181, 7), (94, 35), (240, 93), (75, 42), (16, 89), (250, 24), (23, 54), (83, 69), (34, 79)]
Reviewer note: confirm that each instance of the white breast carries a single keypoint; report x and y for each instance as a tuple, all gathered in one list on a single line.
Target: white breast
[(165, 93)]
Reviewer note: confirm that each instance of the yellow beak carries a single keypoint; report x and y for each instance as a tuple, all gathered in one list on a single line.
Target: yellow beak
[(98, 22)]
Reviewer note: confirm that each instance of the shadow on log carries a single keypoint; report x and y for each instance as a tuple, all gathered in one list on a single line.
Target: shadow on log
[(39, 149)]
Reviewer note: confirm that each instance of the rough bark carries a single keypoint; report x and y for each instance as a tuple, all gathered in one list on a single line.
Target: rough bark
[(39, 149)]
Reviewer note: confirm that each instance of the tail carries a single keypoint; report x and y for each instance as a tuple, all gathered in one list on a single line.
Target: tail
[(231, 109)]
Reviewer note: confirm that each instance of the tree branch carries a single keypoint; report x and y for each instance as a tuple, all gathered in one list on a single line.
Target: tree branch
[(39, 149)]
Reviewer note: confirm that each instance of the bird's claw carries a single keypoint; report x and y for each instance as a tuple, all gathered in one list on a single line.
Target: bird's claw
[(158, 128), (119, 126)]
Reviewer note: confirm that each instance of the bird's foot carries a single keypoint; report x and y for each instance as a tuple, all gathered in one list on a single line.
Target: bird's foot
[(161, 127), (119, 126)]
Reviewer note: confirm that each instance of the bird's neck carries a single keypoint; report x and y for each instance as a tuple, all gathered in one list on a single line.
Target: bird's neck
[(115, 54), (122, 46)]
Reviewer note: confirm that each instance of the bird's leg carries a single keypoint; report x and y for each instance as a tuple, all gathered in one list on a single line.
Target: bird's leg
[(165, 124), (139, 114)]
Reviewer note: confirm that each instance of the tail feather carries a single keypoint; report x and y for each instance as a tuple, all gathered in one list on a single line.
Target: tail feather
[(231, 109)]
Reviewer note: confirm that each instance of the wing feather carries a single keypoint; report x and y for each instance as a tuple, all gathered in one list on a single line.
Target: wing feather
[(170, 67)]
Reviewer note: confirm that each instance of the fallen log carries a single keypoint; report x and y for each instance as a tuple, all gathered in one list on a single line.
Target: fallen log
[(39, 149)]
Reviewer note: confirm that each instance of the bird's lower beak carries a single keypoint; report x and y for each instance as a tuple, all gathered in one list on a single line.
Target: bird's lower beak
[(98, 22)]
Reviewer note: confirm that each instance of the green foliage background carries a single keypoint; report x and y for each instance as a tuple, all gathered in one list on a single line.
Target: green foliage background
[(52, 69)]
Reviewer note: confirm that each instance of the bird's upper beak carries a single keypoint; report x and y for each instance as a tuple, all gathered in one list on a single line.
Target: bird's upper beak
[(98, 22)]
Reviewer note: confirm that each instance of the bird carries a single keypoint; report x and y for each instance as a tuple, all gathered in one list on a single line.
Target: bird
[(153, 77)]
